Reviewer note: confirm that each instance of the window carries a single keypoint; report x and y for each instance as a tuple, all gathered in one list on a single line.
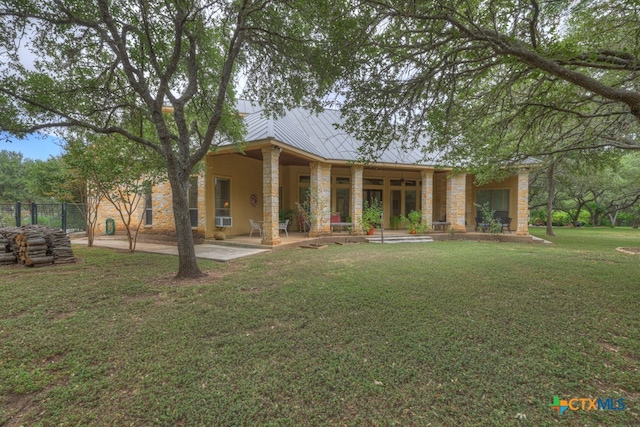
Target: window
[(193, 201), (410, 201), (342, 181), (223, 197), (370, 195), (148, 209), (342, 203), (373, 181), (396, 202), (498, 201), (403, 198)]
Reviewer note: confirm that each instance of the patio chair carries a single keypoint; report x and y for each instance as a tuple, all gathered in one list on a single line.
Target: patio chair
[(506, 222), (283, 226), (255, 226), (481, 224)]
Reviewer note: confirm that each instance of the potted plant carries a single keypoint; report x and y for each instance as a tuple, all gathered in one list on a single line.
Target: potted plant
[(395, 221), (371, 215), (414, 223), (286, 214)]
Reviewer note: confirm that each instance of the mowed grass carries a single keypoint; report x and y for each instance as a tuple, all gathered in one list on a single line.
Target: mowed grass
[(457, 333)]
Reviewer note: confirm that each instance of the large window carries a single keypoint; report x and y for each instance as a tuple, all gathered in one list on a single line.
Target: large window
[(404, 197), (498, 201), (370, 195), (193, 201), (410, 201), (223, 197)]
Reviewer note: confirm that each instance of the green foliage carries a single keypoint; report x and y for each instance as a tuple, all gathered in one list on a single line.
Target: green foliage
[(304, 206), (371, 214), (52, 180), (12, 177), (414, 222), (286, 214), (162, 74), (118, 170), (396, 221), (495, 82), (489, 221)]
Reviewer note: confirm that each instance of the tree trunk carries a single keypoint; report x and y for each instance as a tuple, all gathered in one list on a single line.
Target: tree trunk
[(578, 210), (187, 262), (550, 193)]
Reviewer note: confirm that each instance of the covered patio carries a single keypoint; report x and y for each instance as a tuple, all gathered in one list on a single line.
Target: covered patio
[(286, 158)]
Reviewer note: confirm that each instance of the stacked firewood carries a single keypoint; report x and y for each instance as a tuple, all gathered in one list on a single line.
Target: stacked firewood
[(6, 255), (37, 245), (33, 249)]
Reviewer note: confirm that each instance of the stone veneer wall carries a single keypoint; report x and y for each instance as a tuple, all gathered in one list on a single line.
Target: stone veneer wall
[(456, 201), (356, 197), (320, 199), (523, 203), (162, 213), (470, 217), (270, 195), (427, 196)]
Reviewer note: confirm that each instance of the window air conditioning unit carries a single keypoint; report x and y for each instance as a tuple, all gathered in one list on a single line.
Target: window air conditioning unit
[(224, 221)]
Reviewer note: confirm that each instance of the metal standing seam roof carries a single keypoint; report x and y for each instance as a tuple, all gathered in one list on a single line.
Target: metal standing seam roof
[(316, 134)]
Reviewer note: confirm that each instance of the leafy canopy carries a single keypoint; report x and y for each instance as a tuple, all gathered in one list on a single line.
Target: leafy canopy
[(478, 82)]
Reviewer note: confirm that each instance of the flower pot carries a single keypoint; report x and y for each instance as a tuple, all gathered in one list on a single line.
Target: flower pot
[(412, 231), (370, 232)]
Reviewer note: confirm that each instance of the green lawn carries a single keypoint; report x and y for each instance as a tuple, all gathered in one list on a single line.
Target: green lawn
[(455, 333)]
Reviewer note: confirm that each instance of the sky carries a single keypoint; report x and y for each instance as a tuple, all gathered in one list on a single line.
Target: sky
[(34, 147)]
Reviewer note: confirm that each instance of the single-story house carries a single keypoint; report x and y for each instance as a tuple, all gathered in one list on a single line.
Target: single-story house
[(284, 157)]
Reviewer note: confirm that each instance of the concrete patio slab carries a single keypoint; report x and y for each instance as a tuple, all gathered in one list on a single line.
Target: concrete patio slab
[(214, 252)]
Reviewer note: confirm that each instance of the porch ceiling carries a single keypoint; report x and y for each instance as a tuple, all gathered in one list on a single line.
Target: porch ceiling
[(286, 159)]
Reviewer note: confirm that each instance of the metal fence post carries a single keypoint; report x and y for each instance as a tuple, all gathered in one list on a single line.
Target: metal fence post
[(18, 213), (64, 217), (34, 213)]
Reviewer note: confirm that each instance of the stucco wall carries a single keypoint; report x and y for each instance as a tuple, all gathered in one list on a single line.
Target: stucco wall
[(245, 175)]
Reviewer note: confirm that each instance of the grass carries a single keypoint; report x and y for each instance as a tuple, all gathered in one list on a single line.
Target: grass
[(445, 334)]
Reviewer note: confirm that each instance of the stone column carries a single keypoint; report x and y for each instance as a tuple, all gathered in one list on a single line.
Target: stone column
[(356, 197), (523, 202), (427, 196), (320, 199), (456, 201), (270, 202)]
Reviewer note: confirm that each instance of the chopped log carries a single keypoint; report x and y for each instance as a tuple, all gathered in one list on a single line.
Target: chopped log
[(37, 241), (30, 262), (7, 257)]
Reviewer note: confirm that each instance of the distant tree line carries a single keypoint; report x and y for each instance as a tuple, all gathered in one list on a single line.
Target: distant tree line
[(587, 190), (42, 181)]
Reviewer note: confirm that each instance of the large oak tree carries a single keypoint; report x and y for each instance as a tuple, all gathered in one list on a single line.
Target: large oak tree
[(103, 64), (484, 81)]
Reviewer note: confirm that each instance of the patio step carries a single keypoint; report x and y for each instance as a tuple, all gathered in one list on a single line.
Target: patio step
[(401, 239)]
